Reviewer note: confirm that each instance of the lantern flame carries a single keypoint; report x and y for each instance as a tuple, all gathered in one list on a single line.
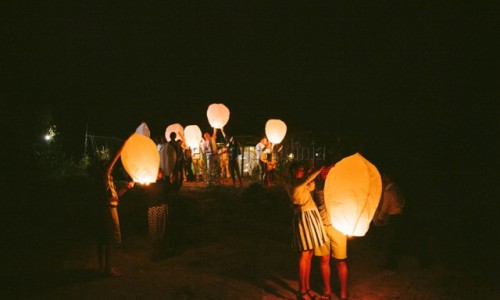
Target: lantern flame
[(275, 130), (140, 158), (218, 115)]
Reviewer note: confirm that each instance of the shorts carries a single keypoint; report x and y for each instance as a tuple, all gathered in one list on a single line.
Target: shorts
[(336, 245)]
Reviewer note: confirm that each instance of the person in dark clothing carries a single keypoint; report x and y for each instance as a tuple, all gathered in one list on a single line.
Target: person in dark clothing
[(157, 198), (233, 148), (179, 164)]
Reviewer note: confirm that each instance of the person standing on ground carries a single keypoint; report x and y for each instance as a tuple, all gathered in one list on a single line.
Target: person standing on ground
[(259, 149), (336, 245), (307, 227), (198, 165), (234, 151), (209, 147), (109, 232), (389, 214)]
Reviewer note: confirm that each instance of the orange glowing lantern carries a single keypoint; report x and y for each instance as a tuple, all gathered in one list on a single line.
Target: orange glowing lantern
[(275, 130), (192, 135), (218, 115), (143, 129), (177, 128), (140, 158), (352, 193)]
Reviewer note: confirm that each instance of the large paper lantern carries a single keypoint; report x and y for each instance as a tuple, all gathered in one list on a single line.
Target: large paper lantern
[(143, 129), (140, 158), (192, 136), (275, 130), (177, 128), (218, 115), (352, 193)]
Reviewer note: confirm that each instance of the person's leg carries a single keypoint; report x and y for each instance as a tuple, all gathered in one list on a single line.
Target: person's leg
[(237, 170), (339, 252), (305, 259), (326, 275), (232, 171), (342, 274)]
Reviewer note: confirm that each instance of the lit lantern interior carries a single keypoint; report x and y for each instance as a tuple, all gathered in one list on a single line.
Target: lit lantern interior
[(352, 193), (218, 115), (177, 128), (275, 130), (140, 158), (192, 135)]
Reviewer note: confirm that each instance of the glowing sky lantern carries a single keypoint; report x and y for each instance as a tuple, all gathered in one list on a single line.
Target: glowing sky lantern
[(218, 115), (143, 129), (275, 130), (352, 193), (177, 128), (192, 135), (140, 158)]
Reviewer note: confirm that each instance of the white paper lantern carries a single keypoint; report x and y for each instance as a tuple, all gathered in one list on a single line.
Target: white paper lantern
[(143, 129), (140, 158), (177, 128), (218, 115), (275, 130), (192, 135), (352, 193)]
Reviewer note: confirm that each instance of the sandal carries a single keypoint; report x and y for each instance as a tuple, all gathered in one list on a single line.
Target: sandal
[(325, 297), (304, 296)]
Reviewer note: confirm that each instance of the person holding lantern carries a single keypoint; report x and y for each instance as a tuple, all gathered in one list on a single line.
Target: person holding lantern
[(307, 227), (109, 232), (209, 147), (389, 214), (224, 162), (336, 245)]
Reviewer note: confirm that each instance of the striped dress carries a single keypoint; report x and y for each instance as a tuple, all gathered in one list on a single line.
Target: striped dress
[(307, 227)]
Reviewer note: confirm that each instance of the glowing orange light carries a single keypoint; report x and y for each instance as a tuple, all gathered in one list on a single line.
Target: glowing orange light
[(140, 158), (352, 193)]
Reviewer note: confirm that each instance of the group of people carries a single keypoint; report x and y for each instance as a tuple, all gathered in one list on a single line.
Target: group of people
[(221, 163), (161, 209), (314, 235), (207, 162)]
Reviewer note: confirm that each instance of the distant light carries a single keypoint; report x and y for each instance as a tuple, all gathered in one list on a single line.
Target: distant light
[(47, 137), (290, 156)]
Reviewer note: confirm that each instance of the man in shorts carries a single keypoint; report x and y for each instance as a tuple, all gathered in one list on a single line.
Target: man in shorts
[(335, 246)]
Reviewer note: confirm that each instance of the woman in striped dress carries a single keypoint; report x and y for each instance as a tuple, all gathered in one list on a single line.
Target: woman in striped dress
[(307, 226)]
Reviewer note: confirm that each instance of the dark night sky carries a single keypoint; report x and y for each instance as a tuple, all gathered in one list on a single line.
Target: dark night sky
[(415, 72)]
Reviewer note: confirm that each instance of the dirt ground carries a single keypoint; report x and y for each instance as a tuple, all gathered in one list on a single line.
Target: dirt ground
[(233, 243)]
